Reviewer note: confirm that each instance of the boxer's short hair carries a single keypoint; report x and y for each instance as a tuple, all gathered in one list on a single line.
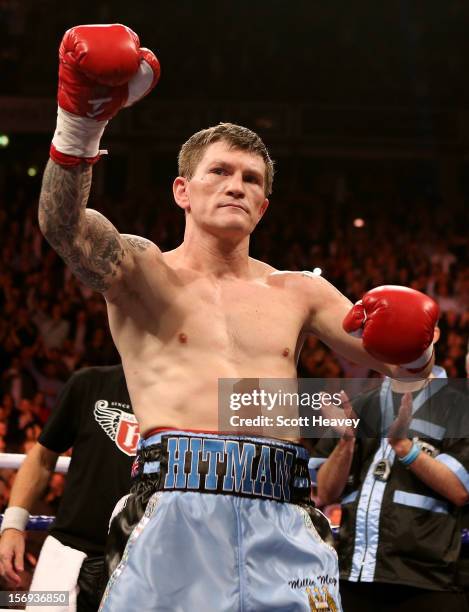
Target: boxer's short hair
[(236, 136)]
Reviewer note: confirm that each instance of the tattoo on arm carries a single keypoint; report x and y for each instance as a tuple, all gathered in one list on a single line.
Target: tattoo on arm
[(85, 239), (136, 242)]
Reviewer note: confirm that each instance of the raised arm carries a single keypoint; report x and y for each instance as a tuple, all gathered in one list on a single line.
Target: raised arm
[(101, 70)]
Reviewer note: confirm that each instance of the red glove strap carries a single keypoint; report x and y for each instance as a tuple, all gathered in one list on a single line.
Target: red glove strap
[(70, 160)]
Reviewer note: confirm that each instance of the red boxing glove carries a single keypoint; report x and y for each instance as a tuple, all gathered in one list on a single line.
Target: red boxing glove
[(396, 325), (101, 70)]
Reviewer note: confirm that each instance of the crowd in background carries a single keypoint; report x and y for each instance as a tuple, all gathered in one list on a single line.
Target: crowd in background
[(51, 325)]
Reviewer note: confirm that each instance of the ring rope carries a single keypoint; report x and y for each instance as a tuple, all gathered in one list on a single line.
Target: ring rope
[(14, 461)]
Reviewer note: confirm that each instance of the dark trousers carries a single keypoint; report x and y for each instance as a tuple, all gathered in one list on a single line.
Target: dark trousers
[(383, 597), (91, 584)]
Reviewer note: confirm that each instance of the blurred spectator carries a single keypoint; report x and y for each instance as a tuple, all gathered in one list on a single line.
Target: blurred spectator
[(7, 407), (447, 301), (17, 381), (25, 331), (54, 493), (3, 431), (100, 349), (53, 329), (4, 495), (80, 332), (443, 257), (39, 408), (19, 420), (47, 380), (69, 357), (50, 324)]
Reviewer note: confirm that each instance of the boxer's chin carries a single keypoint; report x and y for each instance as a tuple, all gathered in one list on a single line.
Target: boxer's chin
[(235, 228)]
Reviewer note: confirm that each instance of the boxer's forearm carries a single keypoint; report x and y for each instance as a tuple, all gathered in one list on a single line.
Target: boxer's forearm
[(333, 474), (62, 203), (33, 477), (84, 238)]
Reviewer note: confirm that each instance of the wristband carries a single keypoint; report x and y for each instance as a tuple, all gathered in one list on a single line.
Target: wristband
[(411, 455), (15, 518)]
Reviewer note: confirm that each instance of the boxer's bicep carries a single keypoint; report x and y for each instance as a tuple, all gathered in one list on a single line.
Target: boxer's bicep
[(88, 242)]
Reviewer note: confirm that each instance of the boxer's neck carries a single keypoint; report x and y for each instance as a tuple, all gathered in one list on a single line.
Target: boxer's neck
[(215, 256)]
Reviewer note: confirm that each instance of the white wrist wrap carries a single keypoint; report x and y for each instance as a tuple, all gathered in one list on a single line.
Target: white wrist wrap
[(421, 361), (77, 136), (15, 518)]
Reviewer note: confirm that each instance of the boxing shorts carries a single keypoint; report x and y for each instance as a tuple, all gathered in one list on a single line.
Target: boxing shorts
[(226, 524)]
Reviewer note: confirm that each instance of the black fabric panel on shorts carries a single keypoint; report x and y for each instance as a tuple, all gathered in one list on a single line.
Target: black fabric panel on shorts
[(90, 584)]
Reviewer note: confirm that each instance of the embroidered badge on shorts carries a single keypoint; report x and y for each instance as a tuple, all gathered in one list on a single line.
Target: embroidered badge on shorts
[(320, 600)]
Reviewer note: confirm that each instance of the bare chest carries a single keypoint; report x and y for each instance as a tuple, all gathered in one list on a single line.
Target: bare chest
[(232, 319), (248, 316)]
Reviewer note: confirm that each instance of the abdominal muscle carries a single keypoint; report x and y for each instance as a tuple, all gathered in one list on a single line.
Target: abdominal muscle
[(203, 330), (177, 392)]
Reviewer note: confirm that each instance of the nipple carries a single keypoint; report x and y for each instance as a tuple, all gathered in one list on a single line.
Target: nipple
[(286, 352), (182, 337)]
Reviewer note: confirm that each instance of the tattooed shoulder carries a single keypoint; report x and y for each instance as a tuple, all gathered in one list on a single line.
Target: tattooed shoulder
[(137, 242)]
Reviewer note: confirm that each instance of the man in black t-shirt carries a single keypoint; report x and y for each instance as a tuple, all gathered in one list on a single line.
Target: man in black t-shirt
[(94, 417)]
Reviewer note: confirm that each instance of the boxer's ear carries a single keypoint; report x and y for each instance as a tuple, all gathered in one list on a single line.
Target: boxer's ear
[(264, 207), (181, 195), (436, 334)]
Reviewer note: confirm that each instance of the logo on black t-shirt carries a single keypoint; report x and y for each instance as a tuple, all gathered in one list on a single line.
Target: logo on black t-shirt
[(119, 425)]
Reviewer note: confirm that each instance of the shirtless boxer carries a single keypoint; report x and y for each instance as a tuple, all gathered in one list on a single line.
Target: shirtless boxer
[(183, 319)]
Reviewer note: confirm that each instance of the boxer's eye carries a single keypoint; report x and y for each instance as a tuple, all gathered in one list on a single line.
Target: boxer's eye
[(219, 171)]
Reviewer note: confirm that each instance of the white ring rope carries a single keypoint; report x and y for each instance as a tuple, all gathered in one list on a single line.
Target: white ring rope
[(14, 461)]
